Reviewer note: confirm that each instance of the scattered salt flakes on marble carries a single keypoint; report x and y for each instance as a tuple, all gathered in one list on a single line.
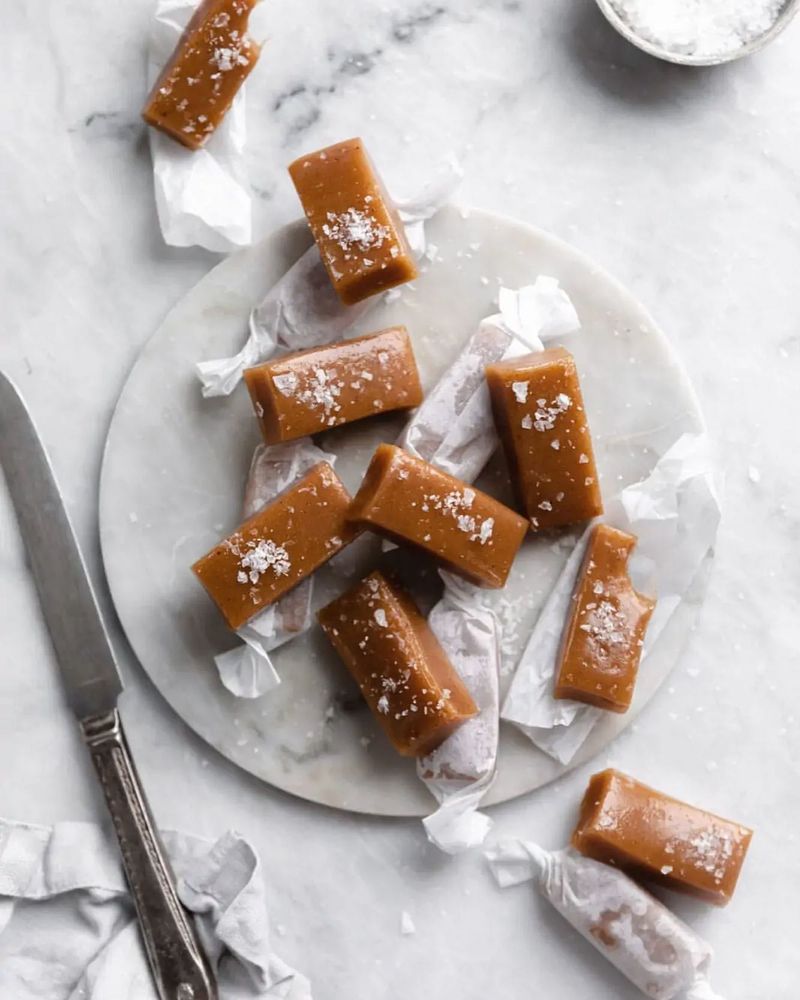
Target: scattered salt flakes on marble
[(692, 671), (133, 516), (753, 474), (711, 765), (407, 925)]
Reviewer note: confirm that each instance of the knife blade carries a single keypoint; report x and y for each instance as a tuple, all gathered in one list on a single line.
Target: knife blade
[(93, 684), (83, 649)]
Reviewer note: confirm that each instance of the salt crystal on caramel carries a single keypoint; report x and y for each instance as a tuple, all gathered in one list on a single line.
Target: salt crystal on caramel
[(397, 661), (308, 392), (660, 839), (604, 634), (359, 233), (211, 61), (538, 409), (412, 502), (281, 545)]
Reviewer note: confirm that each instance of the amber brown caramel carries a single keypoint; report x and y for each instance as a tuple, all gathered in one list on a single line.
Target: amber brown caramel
[(310, 391), (211, 61), (538, 409), (604, 634), (396, 660), (359, 233), (660, 839), (281, 545), (412, 502)]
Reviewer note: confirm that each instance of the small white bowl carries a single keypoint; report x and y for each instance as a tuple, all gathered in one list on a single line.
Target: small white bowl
[(789, 10)]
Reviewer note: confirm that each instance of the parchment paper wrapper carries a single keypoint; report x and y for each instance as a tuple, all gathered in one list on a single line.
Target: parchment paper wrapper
[(674, 513), (453, 428), (462, 769), (302, 310), (657, 951), (247, 670), (202, 196)]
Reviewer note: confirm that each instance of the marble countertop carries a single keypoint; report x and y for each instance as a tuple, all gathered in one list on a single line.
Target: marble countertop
[(684, 185)]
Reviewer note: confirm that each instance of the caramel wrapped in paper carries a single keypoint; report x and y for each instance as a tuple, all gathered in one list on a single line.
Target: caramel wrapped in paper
[(303, 310), (461, 771), (202, 196), (247, 670), (454, 429), (653, 948), (674, 513)]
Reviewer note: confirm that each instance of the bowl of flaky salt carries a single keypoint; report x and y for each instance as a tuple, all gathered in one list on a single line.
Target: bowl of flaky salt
[(699, 32)]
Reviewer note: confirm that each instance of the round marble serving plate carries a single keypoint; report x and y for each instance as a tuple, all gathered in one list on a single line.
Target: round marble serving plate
[(175, 466)]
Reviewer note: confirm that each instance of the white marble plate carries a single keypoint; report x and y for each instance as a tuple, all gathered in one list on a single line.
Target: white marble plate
[(172, 485)]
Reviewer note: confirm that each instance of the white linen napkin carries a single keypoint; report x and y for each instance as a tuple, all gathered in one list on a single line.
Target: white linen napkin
[(67, 924)]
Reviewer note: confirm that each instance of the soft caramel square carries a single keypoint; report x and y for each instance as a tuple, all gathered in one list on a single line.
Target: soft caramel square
[(402, 670), (604, 634), (654, 837), (211, 61), (281, 545), (538, 410), (412, 502), (324, 387), (358, 230)]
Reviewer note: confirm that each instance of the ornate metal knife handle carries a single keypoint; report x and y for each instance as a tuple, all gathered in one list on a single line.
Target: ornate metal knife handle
[(179, 966)]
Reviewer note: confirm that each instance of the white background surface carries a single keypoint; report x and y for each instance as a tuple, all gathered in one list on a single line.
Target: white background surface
[(684, 185)]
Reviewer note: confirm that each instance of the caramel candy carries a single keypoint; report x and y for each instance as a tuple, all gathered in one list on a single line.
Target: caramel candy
[(412, 502), (397, 661), (602, 642), (281, 545), (538, 410), (359, 233), (654, 837), (212, 59), (313, 390)]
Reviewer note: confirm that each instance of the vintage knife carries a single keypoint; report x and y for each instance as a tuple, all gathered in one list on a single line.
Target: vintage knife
[(93, 684)]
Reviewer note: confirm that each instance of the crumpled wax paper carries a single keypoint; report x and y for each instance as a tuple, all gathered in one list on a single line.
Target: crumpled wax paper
[(675, 514), (453, 428), (67, 926), (460, 771), (657, 951), (202, 195), (303, 310), (247, 670)]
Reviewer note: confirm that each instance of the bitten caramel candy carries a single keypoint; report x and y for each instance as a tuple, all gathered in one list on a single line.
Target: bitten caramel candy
[(313, 390), (602, 642), (281, 545), (411, 502), (538, 410), (396, 660), (654, 837), (211, 61), (359, 233)]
